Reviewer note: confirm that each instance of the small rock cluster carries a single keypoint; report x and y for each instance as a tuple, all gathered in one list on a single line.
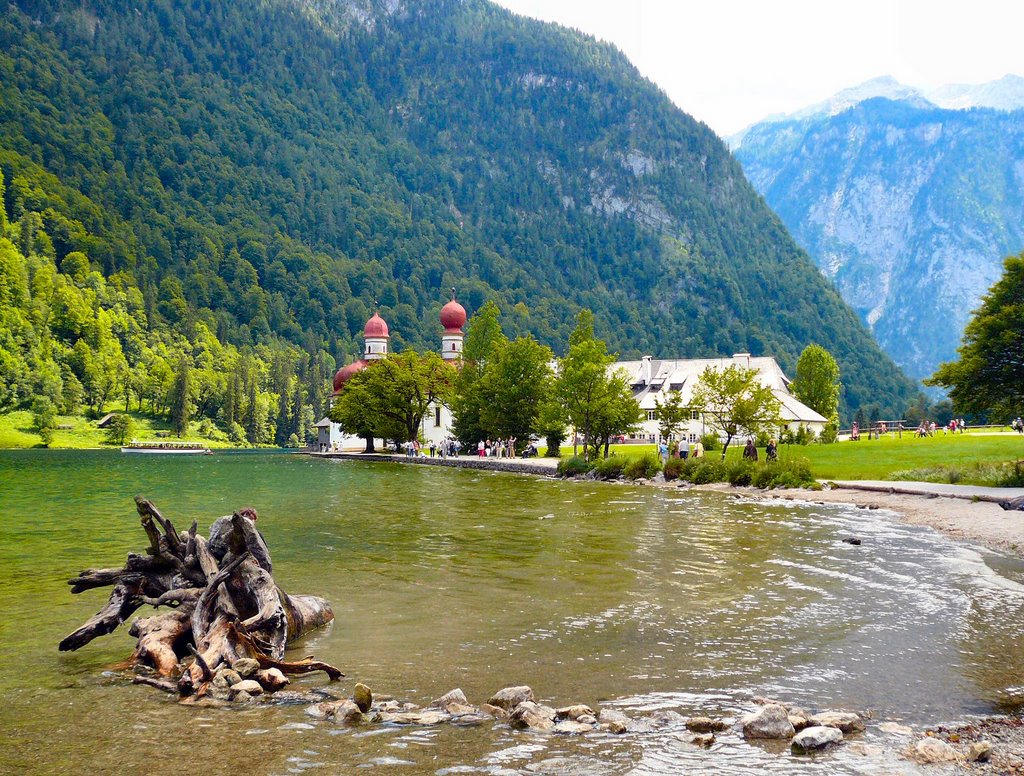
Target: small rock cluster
[(806, 732), (516, 706), (245, 680)]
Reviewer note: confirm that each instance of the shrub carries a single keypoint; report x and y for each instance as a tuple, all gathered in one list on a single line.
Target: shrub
[(787, 473), (610, 468), (645, 467), (1012, 477), (673, 469), (709, 470), (741, 472), (119, 429), (574, 466), (763, 438), (711, 442), (44, 419), (830, 433)]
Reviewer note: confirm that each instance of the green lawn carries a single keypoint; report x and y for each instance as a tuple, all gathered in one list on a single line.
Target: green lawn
[(16, 432), (877, 459)]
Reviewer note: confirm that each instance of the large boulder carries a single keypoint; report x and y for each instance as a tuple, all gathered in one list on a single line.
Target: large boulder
[(816, 737), (362, 696), (533, 716), (846, 721), (510, 697), (769, 721)]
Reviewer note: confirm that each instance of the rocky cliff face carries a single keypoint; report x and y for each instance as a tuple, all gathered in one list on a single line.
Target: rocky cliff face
[(909, 208)]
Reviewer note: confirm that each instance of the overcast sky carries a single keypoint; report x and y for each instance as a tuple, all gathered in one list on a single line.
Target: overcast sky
[(730, 63)]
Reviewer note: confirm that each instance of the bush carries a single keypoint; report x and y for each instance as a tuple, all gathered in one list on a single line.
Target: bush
[(610, 468), (44, 419), (236, 435), (574, 466), (644, 467), (673, 468), (709, 470), (787, 473), (741, 472), (711, 442), (830, 433)]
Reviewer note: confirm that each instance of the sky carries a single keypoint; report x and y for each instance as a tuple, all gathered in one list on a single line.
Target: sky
[(730, 63)]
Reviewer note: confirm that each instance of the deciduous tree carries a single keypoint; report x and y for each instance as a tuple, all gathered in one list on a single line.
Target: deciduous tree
[(733, 401)]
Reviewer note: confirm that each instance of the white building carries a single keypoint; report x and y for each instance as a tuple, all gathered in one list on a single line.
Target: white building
[(651, 378)]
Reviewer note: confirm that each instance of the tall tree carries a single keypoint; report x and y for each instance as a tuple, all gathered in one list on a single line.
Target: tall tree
[(733, 401), (988, 378), (671, 412), (595, 402), (181, 397), (817, 381), (483, 337), (513, 387)]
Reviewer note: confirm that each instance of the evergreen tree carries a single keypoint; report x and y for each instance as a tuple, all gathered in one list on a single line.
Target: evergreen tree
[(181, 397)]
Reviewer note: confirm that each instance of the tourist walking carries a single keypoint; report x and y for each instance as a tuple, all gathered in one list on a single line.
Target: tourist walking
[(750, 452), (771, 451)]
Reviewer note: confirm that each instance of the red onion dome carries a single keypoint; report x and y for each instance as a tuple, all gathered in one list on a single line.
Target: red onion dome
[(342, 375), (376, 327), (453, 317)]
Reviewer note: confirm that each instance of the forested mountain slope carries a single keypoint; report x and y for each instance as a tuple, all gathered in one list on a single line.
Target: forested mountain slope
[(273, 168), (909, 208)]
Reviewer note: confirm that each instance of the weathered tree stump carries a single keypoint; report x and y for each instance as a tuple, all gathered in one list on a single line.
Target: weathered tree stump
[(224, 604)]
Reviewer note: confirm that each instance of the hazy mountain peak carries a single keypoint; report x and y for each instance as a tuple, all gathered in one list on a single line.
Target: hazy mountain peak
[(1006, 93)]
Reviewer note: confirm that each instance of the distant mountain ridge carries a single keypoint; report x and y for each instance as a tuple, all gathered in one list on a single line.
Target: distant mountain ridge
[(907, 206)]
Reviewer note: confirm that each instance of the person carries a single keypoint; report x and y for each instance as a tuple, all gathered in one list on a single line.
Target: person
[(684, 448), (855, 432), (771, 451), (698, 449), (750, 452), (433, 447), (663, 451)]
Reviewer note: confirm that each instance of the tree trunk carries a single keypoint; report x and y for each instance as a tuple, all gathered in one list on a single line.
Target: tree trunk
[(223, 601)]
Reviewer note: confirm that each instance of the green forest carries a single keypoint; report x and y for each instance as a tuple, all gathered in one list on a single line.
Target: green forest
[(230, 190)]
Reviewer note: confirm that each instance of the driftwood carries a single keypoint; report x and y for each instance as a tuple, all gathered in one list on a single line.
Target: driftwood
[(222, 600)]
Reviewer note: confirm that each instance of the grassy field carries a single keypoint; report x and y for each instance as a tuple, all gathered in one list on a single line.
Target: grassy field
[(879, 459), (81, 433)]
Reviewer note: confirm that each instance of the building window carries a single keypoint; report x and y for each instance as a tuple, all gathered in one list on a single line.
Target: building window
[(652, 414), (437, 417), (694, 415)]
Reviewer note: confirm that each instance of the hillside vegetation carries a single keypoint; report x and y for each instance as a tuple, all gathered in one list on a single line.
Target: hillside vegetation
[(246, 181)]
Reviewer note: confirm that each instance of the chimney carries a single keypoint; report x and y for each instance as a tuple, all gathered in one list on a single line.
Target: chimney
[(743, 359), (645, 370)]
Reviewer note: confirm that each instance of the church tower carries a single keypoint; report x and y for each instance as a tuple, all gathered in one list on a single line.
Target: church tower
[(376, 337), (453, 318)]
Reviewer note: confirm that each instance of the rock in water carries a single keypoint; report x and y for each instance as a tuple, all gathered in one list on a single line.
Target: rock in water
[(769, 721), (250, 686), (816, 737), (613, 721), (574, 712), (495, 711), (846, 721), (571, 727), (339, 711), (452, 696), (510, 697), (895, 728), (705, 740), (272, 679), (362, 696), (532, 715), (705, 725)]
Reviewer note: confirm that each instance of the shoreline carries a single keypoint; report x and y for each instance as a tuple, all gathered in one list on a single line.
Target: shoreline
[(967, 518)]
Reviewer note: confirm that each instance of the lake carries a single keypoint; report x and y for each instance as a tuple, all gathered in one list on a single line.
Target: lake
[(594, 593)]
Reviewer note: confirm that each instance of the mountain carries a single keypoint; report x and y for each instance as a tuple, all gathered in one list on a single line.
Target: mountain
[(275, 169), (908, 207)]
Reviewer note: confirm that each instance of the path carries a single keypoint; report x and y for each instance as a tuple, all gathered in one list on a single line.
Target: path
[(969, 492)]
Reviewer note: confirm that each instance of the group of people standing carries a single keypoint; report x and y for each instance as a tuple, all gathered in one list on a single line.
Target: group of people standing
[(1017, 425), (445, 448), (771, 450), (681, 449), (496, 448)]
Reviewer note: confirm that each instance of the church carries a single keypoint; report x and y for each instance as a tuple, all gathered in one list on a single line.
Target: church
[(649, 378), (437, 423)]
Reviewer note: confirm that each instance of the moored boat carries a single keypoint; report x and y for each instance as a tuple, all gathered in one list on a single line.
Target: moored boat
[(167, 448)]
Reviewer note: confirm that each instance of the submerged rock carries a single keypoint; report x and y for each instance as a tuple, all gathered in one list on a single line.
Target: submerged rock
[(769, 721), (705, 740), (613, 721), (705, 725), (427, 717), (816, 737), (846, 721), (571, 727), (338, 711), (895, 728), (510, 697)]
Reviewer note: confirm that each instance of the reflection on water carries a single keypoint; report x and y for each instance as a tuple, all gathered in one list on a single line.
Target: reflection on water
[(590, 593)]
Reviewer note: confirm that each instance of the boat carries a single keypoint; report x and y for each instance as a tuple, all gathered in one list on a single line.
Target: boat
[(167, 448)]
